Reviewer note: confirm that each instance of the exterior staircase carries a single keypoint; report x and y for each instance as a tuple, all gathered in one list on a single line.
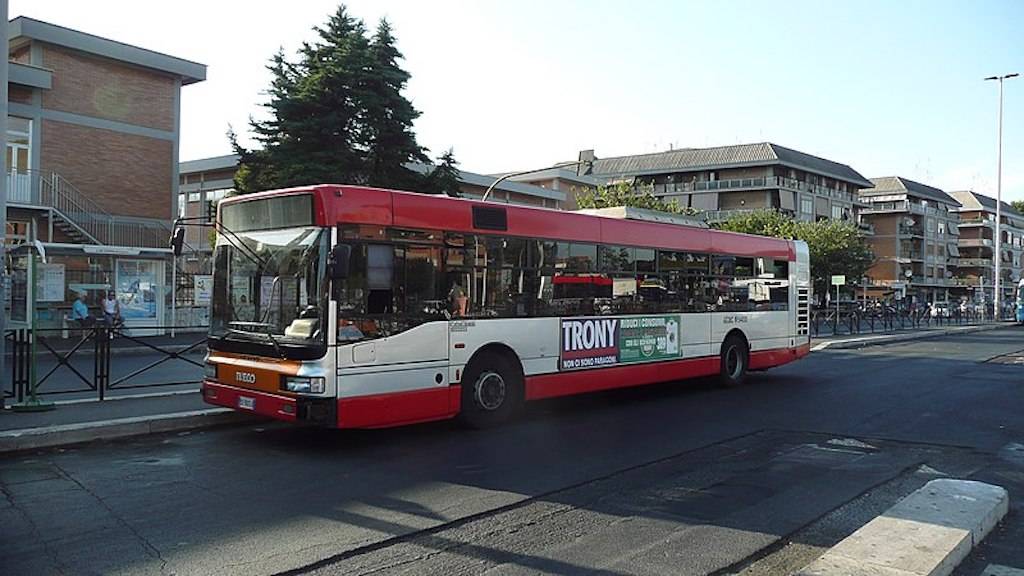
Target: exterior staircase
[(77, 216)]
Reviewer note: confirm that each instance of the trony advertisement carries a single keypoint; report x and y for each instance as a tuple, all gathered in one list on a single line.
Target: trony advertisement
[(602, 342)]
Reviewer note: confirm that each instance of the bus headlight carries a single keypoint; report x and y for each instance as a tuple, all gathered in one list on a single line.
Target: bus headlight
[(304, 384), (210, 371)]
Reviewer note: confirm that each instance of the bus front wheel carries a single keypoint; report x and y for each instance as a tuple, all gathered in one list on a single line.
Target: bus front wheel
[(491, 390), (735, 360)]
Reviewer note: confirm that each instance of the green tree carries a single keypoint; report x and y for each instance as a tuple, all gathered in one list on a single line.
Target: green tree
[(762, 222), (336, 114), (388, 117), (444, 178), (622, 194), (836, 247), (1018, 205)]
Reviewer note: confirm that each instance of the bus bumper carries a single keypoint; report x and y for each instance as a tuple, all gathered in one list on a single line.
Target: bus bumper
[(319, 411)]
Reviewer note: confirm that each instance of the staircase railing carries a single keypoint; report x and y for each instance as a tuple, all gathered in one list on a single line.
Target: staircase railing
[(52, 190)]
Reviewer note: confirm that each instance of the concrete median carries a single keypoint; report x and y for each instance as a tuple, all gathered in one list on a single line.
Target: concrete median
[(59, 435), (927, 533)]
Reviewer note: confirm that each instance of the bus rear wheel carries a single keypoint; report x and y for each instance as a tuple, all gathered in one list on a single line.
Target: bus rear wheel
[(735, 359), (491, 391)]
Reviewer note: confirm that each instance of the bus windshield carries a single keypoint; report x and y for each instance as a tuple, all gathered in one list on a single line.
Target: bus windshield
[(269, 291)]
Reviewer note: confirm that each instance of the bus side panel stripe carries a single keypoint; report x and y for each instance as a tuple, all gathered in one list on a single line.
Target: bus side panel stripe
[(581, 381), (397, 408)]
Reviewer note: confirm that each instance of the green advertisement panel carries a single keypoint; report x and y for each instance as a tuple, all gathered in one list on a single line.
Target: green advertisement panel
[(648, 338)]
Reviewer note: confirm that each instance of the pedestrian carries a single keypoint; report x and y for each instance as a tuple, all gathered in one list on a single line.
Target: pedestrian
[(111, 311), (80, 312)]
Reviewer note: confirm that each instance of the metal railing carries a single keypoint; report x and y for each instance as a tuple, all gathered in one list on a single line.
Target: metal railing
[(760, 182), (825, 322), (98, 359), (51, 190)]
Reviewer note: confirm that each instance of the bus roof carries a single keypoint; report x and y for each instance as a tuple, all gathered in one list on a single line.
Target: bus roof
[(338, 204)]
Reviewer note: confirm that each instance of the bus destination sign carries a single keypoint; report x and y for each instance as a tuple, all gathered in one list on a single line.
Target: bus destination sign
[(601, 342)]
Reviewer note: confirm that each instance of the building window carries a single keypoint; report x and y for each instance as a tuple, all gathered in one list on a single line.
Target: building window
[(837, 212), (806, 205)]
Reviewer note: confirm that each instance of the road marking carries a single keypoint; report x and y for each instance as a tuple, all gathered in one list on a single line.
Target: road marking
[(1000, 570)]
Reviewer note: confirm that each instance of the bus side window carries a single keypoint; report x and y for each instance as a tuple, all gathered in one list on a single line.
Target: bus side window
[(380, 269)]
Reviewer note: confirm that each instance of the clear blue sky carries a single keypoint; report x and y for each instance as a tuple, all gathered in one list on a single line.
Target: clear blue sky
[(891, 88)]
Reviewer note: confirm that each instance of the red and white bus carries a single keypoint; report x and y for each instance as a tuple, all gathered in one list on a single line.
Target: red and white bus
[(355, 307)]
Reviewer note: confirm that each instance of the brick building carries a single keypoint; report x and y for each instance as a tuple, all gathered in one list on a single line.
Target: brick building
[(92, 153), (914, 241)]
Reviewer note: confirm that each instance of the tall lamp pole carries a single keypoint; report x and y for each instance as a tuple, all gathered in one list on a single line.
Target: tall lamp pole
[(997, 300), (525, 172)]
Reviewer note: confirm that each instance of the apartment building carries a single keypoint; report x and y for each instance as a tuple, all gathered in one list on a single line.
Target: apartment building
[(92, 154), (976, 276), (726, 180), (915, 239)]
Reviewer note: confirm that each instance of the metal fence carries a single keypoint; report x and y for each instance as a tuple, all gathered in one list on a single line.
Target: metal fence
[(830, 322), (97, 360)]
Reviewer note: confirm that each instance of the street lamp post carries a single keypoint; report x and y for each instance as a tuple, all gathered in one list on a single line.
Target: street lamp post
[(997, 299), (525, 172)]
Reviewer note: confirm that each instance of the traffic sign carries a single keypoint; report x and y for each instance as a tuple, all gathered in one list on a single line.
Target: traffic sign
[(839, 280)]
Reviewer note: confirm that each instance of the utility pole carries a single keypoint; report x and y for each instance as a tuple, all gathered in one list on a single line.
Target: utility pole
[(3, 194), (997, 298)]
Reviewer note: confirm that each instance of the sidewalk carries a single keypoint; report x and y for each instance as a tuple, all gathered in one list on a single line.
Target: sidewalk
[(76, 422), (847, 341)]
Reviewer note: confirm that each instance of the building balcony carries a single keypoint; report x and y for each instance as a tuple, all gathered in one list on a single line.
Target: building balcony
[(976, 222), (925, 281), (975, 263), (902, 206), (975, 242), (712, 216), (913, 256), (760, 183)]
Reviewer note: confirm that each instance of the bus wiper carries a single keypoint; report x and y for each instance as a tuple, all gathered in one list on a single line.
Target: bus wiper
[(266, 330)]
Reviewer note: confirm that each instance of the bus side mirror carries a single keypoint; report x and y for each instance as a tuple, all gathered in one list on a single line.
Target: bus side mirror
[(177, 241), (338, 265)]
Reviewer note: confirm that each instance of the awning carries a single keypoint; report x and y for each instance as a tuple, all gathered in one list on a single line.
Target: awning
[(705, 201), (787, 200), (821, 206)]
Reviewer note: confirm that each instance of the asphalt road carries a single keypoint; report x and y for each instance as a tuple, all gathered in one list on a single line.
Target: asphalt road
[(684, 478)]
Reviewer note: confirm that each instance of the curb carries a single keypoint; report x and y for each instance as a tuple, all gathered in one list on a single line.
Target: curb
[(60, 435), (929, 532), (882, 339)]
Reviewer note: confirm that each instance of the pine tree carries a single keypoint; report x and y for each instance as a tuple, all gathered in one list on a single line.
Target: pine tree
[(336, 115), (444, 178), (388, 117)]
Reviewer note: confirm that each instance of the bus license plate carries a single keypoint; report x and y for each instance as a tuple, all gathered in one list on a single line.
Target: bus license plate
[(246, 403)]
